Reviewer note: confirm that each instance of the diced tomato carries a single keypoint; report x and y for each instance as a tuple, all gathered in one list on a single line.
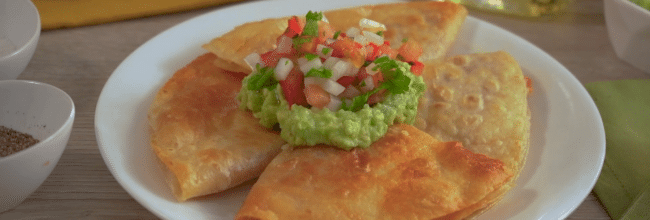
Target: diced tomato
[(317, 96), (372, 51), (296, 26), (270, 58), (362, 74), (345, 81), (417, 68), (293, 87), (348, 48), (387, 42), (410, 51), (377, 78), (386, 49), (325, 31)]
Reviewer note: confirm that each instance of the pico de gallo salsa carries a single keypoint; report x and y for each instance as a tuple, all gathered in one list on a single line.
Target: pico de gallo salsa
[(330, 87)]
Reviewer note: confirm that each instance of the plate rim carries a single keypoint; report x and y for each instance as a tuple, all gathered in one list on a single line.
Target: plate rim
[(599, 132)]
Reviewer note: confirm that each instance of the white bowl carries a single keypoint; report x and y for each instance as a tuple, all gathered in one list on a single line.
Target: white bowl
[(628, 26), (20, 27), (46, 113)]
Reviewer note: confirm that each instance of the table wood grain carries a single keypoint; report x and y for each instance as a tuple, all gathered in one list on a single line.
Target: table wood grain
[(80, 60)]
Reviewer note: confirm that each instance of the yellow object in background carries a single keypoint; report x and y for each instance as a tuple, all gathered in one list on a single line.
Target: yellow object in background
[(523, 8), (73, 13)]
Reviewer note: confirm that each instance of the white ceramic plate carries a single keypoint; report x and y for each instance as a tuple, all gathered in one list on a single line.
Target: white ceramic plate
[(567, 142)]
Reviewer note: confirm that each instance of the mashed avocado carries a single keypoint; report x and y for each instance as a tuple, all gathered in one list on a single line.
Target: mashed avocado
[(342, 128)]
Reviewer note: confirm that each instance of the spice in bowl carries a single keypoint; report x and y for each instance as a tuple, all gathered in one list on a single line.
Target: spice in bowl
[(12, 141)]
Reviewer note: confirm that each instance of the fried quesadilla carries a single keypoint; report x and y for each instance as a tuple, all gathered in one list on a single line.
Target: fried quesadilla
[(433, 24), (481, 101), (200, 134), (407, 174)]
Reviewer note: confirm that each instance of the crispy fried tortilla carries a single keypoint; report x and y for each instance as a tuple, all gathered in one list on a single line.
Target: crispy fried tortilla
[(197, 130), (432, 24), (407, 174), (481, 101)]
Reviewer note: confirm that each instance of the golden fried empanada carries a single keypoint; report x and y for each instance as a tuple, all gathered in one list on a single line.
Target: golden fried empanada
[(406, 174), (198, 131), (434, 25), (481, 101)]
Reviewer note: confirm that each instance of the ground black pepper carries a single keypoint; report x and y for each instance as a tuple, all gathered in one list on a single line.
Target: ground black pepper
[(12, 141)]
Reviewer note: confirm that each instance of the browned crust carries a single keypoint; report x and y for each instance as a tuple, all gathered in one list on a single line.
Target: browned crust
[(407, 174), (200, 134)]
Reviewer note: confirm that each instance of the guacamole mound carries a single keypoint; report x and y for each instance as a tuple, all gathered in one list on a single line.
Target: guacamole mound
[(342, 128)]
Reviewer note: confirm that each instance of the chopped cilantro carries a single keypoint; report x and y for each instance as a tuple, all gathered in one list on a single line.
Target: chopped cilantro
[(263, 77), (359, 101), (311, 56), (404, 40), (336, 35), (326, 50), (311, 25), (394, 79), (299, 41), (380, 33), (319, 72)]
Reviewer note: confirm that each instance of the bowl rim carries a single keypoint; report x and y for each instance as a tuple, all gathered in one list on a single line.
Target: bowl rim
[(34, 36), (68, 122), (634, 6)]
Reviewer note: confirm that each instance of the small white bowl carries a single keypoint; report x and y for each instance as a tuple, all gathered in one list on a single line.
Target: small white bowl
[(46, 113), (628, 26), (20, 28)]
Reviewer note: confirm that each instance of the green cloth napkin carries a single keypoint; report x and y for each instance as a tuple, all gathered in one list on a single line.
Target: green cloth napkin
[(624, 183)]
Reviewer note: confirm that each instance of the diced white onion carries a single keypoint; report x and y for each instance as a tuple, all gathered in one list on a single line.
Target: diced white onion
[(352, 70), (374, 38), (329, 41), (328, 85), (370, 24), (319, 50), (283, 68), (332, 87), (350, 92), (329, 62), (370, 67), (284, 45), (334, 104), (363, 40), (252, 60), (315, 63), (353, 32), (368, 84), (339, 69)]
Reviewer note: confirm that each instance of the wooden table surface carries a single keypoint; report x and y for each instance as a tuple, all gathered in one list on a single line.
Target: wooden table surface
[(80, 60)]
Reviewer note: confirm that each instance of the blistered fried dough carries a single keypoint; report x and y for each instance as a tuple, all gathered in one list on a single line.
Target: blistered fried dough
[(253, 37), (480, 100), (406, 174), (432, 24), (197, 130)]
